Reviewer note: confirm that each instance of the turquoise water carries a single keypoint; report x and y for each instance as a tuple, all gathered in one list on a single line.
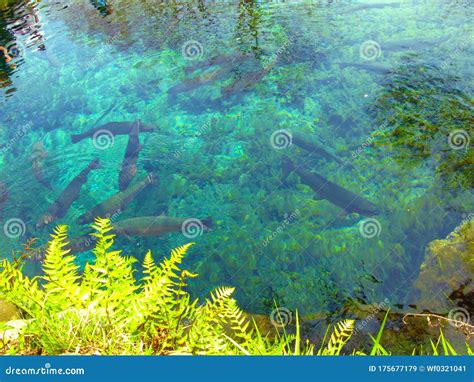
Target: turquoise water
[(383, 88)]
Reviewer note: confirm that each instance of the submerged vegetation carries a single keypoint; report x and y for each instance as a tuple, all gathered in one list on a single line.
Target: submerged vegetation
[(106, 309)]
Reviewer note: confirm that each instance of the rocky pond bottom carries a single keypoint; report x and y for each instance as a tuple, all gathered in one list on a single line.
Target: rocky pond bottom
[(317, 154)]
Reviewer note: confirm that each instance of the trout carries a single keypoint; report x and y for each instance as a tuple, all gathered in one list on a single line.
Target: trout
[(3, 194), (221, 59), (116, 203), (114, 128), (314, 148), (68, 196), (324, 189), (38, 154), (196, 82), (129, 164), (158, 225), (246, 81), (375, 68)]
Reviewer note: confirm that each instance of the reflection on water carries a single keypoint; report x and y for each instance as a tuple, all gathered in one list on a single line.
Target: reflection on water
[(324, 144)]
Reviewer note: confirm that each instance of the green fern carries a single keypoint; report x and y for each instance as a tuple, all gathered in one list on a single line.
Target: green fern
[(340, 336)]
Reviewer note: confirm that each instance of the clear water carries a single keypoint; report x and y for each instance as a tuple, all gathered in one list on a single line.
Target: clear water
[(379, 85)]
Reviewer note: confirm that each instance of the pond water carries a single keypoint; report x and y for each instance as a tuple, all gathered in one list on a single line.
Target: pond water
[(310, 149)]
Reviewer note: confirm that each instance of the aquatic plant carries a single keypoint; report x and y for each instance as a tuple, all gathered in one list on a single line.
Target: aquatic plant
[(106, 309)]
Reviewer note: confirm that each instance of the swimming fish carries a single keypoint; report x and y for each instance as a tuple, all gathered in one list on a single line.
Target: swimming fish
[(314, 147), (246, 81), (3, 194), (68, 196), (38, 154), (410, 44), (330, 191), (129, 164), (196, 82), (365, 7), (116, 203), (114, 128), (369, 67), (221, 59), (158, 225)]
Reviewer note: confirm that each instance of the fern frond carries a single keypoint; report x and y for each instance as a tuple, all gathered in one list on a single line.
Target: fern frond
[(60, 272), (340, 336)]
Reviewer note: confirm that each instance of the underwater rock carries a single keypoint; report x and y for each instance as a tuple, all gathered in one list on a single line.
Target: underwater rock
[(13, 332), (447, 272), (7, 310)]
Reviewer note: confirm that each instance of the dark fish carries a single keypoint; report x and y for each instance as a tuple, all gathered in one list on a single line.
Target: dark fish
[(369, 67), (314, 147), (3, 194), (410, 44), (221, 59), (68, 196), (335, 194), (129, 164), (115, 128), (116, 203), (246, 81), (38, 154), (366, 7), (196, 82), (157, 225)]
